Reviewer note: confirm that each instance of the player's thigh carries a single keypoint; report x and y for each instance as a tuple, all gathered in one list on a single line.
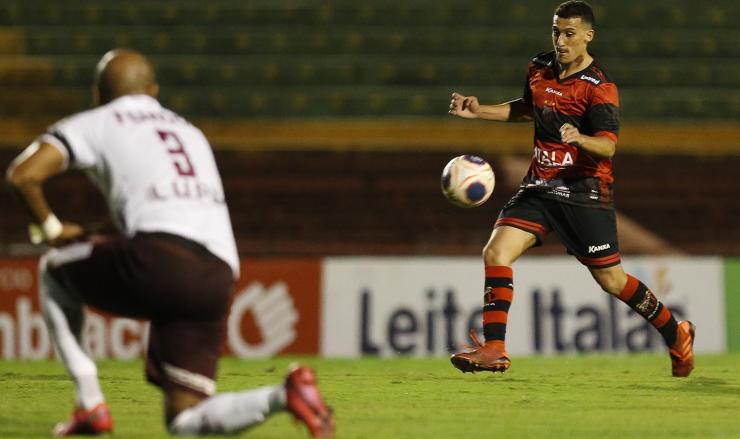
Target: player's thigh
[(525, 211), (187, 329), (589, 233), (521, 225), (181, 280), (95, 270)]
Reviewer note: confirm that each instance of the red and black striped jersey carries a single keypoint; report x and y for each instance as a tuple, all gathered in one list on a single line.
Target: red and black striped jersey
[(588, 100)]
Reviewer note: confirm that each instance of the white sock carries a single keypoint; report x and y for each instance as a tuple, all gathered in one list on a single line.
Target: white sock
[(229, 412), (63, 313)]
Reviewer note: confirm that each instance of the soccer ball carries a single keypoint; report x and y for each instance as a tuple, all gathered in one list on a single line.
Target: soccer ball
[(468, 181)]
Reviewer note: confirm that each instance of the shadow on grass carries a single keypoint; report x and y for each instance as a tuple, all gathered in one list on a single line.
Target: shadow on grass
[(703, 385)]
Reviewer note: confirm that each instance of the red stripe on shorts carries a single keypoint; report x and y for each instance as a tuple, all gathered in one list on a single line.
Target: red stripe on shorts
[(605, 261), (529, 226)]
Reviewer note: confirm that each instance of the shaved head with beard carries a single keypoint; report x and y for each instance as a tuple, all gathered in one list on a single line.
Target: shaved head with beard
[(123, 72)]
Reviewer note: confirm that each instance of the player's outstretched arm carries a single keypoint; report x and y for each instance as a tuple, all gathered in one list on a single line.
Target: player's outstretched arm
[(26, 176), (468, 107)]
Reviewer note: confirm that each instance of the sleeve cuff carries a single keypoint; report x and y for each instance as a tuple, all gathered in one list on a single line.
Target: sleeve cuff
[(58, 144), (610, 135)]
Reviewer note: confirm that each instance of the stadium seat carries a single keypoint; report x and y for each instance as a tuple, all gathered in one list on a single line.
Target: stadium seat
[(246, 53)]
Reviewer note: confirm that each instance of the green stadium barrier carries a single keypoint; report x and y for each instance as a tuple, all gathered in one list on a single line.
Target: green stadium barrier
[(659, 13), (379, 58), (732, 302)]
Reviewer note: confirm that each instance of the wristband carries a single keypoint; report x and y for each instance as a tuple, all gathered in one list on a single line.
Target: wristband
[(35, 234), (52, 227), (49, 230)]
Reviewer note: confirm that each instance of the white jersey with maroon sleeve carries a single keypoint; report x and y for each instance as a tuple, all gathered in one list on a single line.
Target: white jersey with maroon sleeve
[(155, 169)]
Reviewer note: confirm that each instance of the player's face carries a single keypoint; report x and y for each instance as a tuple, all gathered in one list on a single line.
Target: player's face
[(570, 36)]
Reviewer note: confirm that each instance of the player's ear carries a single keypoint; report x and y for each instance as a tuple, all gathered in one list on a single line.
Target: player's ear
[(590, 35), (95, 96), (152, 89)]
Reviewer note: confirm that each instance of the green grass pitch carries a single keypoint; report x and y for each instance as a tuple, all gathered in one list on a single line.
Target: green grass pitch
[(615, 396)]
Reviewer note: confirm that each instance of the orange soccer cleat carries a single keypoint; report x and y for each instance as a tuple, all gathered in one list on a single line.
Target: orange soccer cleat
[(305, 403), (95, 421), (490, 357), (682, 352)]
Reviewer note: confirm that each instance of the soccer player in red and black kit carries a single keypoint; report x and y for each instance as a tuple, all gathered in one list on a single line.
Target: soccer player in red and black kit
[(575, 109)]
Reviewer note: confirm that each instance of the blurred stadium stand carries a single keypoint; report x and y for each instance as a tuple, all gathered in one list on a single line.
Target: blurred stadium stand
[(329, 121)]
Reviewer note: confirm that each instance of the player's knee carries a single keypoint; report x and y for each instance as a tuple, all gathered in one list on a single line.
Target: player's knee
[(46, 280), (496, 255), (46, 267), (611, 281)]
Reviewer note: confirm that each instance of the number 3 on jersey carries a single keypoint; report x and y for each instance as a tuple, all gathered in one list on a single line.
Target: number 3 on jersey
[(177, 152)]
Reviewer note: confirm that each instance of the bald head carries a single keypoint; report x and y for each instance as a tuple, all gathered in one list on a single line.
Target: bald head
[(123, 72)]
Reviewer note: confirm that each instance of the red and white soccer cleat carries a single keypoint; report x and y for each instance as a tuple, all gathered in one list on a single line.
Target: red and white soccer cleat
[(305, 403), (489, 357), (682, 352), (95, 421)]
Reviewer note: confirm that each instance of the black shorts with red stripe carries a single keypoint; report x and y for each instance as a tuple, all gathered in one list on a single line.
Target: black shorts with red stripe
[(589, 233)]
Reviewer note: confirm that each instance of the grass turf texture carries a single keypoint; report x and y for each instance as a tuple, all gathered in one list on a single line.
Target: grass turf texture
[(557, 397)]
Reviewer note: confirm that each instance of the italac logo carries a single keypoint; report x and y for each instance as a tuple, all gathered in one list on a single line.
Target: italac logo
[(590, 79), (275, 316), (598, 248), (553, 91)]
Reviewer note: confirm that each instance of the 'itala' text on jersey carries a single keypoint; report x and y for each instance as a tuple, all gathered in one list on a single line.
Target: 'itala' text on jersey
[(552, 158)]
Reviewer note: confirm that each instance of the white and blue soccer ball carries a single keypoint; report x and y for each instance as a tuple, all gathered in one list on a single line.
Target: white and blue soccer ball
[(468, 181)]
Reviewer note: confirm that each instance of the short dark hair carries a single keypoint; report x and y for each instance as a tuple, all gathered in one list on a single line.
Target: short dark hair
[(576, 8)]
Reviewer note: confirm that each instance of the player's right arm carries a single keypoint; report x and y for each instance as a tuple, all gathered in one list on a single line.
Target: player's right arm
[(26, 176), (468, 107)]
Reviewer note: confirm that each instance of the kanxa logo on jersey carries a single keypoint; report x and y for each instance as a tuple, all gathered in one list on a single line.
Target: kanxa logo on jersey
[(590, 79)]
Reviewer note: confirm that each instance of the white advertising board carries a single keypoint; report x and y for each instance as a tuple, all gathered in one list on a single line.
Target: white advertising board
[(425, 306)]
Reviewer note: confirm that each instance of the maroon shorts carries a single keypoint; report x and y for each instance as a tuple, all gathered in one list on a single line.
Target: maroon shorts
[(175, 283), (589, 233)]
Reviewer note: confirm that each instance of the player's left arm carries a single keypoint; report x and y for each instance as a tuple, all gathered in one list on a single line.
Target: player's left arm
[(602, 147), (602, 116), (26, 176)]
